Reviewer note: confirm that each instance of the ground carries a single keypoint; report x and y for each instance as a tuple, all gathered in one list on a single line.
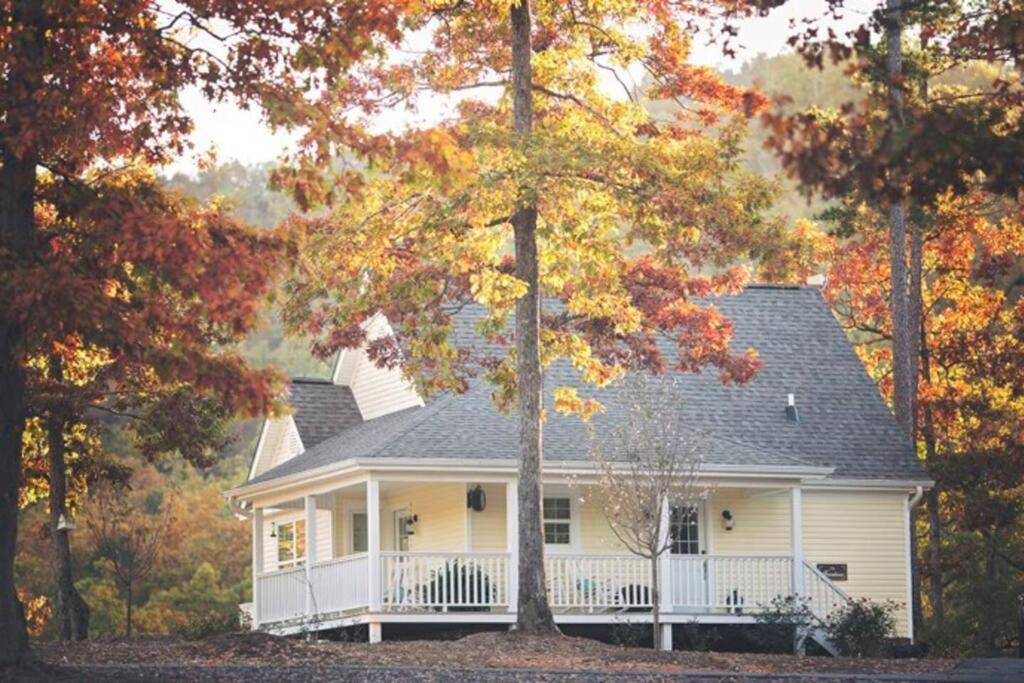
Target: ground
[(483, 656)]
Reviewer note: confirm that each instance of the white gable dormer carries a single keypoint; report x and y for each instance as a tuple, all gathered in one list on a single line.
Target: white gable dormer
[(378, 391), (279, 441)]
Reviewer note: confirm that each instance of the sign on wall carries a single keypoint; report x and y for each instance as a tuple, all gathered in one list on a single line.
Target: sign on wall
[(834, 572)]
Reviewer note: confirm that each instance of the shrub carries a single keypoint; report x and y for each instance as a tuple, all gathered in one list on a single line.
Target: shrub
[(199, 626), (781, 620), (862, 628), (445, 581)]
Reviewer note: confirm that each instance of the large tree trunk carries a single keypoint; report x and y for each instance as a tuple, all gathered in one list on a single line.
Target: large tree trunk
[(533, 612), (72, 612), (902, 334), (17, 233), (915, 312)]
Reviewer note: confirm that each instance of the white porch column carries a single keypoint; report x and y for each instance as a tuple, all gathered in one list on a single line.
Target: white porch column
[(665, 573), (512, 541), (257, 563), (373, 544), (796, 539), (310, 554)]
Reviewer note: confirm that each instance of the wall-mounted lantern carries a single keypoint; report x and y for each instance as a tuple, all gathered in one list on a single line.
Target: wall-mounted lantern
[(410, 524), (476, 498), (273, 529), (728, 521)]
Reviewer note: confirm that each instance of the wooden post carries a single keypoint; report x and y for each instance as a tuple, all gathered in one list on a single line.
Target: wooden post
[(373, 544), (257, 563), (512, 542), (310, 554)]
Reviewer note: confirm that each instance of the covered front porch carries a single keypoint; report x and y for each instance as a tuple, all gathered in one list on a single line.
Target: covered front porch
[(385, 548)]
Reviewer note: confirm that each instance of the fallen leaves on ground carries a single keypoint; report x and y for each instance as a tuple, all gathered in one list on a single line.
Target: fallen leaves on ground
[(497, 650)]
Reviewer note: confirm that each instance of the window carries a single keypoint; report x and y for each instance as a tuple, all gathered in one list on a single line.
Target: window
[(684, 531), (557, 521), (291, 544), (360, 543)]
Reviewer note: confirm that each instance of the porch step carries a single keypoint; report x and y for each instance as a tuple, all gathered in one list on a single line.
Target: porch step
[(819, 636)]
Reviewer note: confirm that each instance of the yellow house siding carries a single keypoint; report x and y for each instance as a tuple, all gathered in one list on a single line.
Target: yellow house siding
[(488, 528), (864, 530), (442, 516), (379, 391), (762, 522), (597, 536)]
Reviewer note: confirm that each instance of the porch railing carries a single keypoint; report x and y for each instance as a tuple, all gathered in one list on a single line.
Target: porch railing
[(444, 581), (281, 595), (733, 583), (587, 583), (598, 582), (823, 597)]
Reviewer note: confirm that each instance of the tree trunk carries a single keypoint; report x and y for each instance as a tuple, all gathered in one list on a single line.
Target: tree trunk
[(902, 335), (655, 603), (72, 612), (533, 612), (915, 312), (17, 234), (935, 573), (128, 611)]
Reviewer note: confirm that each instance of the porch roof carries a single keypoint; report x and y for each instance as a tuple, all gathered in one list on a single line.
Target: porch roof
[(843, 422)]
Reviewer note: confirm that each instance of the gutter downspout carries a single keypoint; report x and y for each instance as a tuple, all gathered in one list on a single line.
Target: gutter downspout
[(915, 498)]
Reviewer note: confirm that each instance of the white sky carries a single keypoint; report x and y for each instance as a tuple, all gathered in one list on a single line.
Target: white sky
[(235, 134)]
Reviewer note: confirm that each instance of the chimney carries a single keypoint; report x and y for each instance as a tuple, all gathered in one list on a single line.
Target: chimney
[(791, 413)]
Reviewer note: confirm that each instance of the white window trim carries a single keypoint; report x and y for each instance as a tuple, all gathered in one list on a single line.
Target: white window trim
[(289, 519), (575, 528), (352, 509)]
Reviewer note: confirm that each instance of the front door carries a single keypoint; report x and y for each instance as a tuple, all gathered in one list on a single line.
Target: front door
[(402, 529), (689, 580)]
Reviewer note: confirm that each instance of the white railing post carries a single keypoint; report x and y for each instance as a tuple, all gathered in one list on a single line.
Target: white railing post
[(796, 536), (257, 563), (512, 542), (665, 559), (373, 543), (310, 554)]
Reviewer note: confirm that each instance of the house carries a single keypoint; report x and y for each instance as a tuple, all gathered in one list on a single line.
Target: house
[(370, 506)]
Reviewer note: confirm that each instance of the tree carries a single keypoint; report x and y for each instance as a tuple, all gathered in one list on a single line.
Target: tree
[(646, 468), (624, 218), (969, 396), (130, 543), (148, 336), (86, 84), (903, 149)]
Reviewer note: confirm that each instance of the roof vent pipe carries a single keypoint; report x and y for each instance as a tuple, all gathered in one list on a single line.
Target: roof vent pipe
[(791, 413)]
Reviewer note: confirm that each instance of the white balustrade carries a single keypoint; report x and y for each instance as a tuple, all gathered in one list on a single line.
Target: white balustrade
[(598, 582), (341, 584), (444, 581), (735, 584), (281, 595), (823, 597)]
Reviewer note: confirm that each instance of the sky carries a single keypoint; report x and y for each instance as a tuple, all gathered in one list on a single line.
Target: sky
[(233, 134)]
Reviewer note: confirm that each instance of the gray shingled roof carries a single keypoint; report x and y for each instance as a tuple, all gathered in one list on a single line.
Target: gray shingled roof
[(843, 422), (322, 409)]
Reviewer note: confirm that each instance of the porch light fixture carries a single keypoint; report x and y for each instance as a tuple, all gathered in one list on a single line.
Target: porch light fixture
[(410, 524), (273, 529), (728, 521), (476, 498)]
